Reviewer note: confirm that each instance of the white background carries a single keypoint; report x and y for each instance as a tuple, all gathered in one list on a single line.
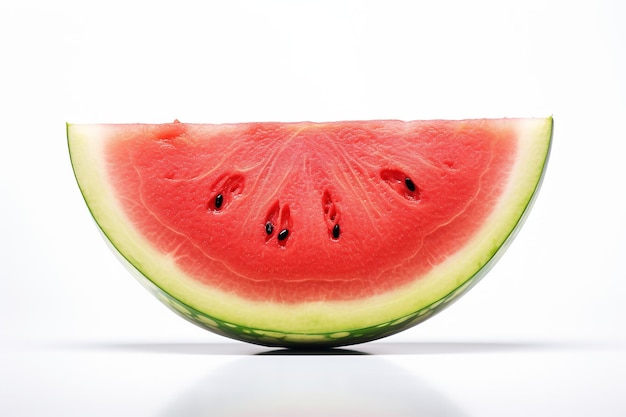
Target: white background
[(562, 282)]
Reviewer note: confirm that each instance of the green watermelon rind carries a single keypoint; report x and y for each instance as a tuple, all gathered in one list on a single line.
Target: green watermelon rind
[(273, 338), (272, 333)]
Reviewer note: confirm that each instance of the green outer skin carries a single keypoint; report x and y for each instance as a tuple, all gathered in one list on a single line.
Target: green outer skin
[(273, 338)]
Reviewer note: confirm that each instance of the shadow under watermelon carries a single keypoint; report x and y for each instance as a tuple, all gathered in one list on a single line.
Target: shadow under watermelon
[(322, 383)]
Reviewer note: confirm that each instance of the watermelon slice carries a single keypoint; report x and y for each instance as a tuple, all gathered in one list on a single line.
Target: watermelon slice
[(310, 234)]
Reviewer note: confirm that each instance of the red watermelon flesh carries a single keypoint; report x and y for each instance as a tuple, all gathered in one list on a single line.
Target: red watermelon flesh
[(301, 229), (338, 191)]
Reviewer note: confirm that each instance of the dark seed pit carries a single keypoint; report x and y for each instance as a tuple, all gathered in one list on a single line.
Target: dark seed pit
[(401, 183), (409, 184), (282, 235), (219, 200)]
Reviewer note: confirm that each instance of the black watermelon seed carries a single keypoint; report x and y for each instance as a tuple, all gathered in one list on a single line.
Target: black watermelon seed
[(282, 235), (336, 231), (269, 228), (409, 184), (219, 200)]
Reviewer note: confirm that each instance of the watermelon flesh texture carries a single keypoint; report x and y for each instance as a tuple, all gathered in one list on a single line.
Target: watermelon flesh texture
[(300, 234)]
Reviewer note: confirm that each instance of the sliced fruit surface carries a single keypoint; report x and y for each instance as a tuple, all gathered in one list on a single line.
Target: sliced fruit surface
[(293, 234)]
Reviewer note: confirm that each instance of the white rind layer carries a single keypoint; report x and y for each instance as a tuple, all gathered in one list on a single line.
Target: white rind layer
[(468, 264)]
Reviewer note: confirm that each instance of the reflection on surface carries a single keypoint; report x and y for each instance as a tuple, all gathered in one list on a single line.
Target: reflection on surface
[(374, 348), (288, 383)]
